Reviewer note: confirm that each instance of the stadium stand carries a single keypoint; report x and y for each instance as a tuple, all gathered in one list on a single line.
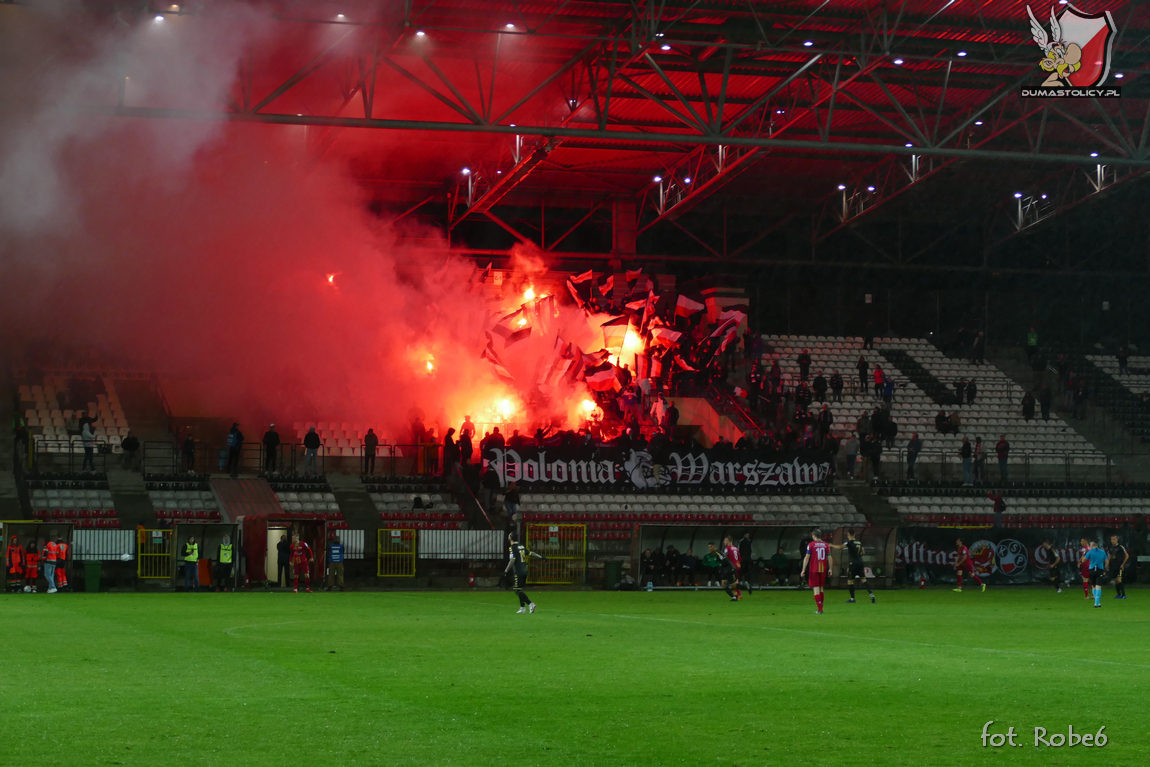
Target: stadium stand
[(341, 439), (1051, 506), (180, 499), (85, 502), (313, 500), (996, 410), (1125, 395), (415, 502), (612, 516), (47, 421)]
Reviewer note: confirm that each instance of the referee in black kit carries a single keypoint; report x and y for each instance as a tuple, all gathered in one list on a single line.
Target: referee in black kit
[(1119, 556)]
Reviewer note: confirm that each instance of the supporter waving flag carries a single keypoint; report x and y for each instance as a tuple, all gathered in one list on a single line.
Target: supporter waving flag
[(685, 307)]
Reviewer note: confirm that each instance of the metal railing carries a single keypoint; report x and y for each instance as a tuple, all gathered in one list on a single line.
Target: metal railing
[(1022, 466), (291, 460), (69, 456)]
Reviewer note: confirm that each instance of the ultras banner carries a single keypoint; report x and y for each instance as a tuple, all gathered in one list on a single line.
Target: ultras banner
[(615, 467), (1001, 556)]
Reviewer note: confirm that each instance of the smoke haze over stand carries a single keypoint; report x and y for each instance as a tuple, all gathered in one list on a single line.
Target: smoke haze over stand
[(204, 249)]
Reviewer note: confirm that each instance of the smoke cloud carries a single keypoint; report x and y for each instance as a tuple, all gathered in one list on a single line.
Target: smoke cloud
[(249, 277)]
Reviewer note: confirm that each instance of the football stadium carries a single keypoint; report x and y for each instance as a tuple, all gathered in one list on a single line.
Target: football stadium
[(575, 382)]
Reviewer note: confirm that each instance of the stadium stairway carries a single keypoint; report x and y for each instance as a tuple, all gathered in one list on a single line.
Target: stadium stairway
[(1131, 457), (245, 497), (942, 394), (866, 500), (143, 409), (130, 497), (359, 511)]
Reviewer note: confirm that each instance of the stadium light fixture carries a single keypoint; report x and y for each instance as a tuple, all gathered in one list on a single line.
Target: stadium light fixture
[(808, 43), (1044, 197), (909, 145), (467, 171), (511, 26), (1093, 154), (420, 33), (664, 47), (842, 187), (340, 16), (870, 188), (159, 18), (780, 111), (658, 179), (686, 179), (897, 62), (1118, 75), (1018, 195), (658, 34), (962, 54)]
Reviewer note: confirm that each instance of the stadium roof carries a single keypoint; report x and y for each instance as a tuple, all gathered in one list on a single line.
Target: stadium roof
[(830, 109)]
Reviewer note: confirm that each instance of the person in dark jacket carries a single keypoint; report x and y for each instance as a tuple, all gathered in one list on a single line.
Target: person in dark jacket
[(863, 368), (1045, 399), (836, 387), (450, 452), (311, 445), (465, 449), (672, 418), (1028, 406), (819, 385), (660, 449), (271, 448), (1123, 360), (283, 562), (746, 561), (370, 444), (648, 573), (235, 443), (189, 451), (804, 361), (913, 448), (966, 452), (971, 391), (131, 447)]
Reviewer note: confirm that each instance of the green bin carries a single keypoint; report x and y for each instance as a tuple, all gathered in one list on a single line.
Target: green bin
[(612, 573), (92, 576)]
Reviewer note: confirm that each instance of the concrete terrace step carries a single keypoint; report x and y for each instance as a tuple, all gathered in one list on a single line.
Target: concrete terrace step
[(133, 506), (245, 497)]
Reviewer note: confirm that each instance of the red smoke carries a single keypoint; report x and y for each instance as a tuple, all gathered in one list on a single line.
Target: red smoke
[(250, 277)]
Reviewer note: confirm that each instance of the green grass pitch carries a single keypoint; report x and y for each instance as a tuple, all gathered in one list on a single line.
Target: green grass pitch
[(592, 678)]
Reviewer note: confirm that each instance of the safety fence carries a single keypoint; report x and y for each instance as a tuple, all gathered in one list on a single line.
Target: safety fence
[(103, 544), (52, 455), (396, 551), (1021, 466), (353, 543), (154, 554), (565, 547), (292, 459), (462, 544)]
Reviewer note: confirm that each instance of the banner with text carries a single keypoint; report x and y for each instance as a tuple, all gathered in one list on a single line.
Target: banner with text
[(1000, 555), (608, 466)]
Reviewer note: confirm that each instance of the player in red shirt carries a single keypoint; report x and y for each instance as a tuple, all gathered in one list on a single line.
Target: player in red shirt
[(1084, 567), (964, 564), (731, 553), (301, 559), (817, 559)]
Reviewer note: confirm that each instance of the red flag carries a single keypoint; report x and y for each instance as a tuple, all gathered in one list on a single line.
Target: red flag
[(608, 287), (684, 365), (741, 392), (685, 307), (634, 274), (728, 325), (614, 331), (582, 277), (664, 336), (575, 294), (637, 305), (513, 328), (490, 355), (602, 378)]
